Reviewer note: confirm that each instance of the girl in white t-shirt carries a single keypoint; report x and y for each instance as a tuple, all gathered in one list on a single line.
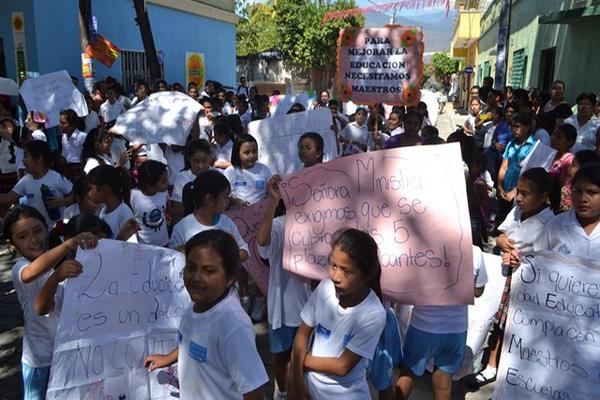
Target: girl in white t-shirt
[(26, 231), (110, 186), (149, 203), (346, 316), (97, 151), (216, 355), (197, 160), (221, 151), (248, 178), (42, 188)]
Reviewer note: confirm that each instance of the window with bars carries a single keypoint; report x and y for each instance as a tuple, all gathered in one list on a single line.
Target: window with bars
[(519, 67), (133, 66), (487, 70)]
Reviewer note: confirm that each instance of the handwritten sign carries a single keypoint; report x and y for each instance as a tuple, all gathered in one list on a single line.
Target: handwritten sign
[(278, 136), (413, 203), (52, 93), (552, 338), (380, 65), (248, 220), (164, 117), (127, 302)]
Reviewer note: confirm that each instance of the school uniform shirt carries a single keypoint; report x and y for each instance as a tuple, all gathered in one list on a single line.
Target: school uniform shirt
[(222, 153), (175, 162), (116, 218), (126, 101), (525, 233), (93, 162), (586, 134), (40, 330), (218, 359), (288, 293), (449, 319), (72, 146), (358, 134), (183, 178), (118, 146), (336, 328), (31, 188), (91, 121), (245, 117), (185, 229), (397, 131), (565, 236), (109, 112), (248, 184), (70, 212), (150, 212), (515, 153), (543, 136)]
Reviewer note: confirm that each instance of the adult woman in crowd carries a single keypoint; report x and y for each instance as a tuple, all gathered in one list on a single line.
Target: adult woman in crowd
[(556, 110)]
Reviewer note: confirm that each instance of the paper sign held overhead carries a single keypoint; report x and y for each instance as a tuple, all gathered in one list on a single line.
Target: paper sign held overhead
[(412, 201), (380, 65)]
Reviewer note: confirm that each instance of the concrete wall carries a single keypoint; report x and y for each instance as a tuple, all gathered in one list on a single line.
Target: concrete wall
[(56, 37)]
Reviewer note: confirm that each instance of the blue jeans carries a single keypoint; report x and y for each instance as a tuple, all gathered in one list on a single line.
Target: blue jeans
[(35, 382)]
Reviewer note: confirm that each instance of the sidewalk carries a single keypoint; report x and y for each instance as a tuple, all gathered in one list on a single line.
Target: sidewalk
[(447, 121)]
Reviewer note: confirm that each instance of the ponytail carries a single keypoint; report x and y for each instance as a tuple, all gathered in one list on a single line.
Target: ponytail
[(117, 179)]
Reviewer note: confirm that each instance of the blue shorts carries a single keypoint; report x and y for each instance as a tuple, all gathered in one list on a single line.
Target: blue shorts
[(35, 382), (281, 339), (388, 354), (446, 349)]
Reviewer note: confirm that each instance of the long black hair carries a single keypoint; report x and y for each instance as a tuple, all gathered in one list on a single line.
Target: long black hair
[(235, 151), (116, 178), (207, 183)]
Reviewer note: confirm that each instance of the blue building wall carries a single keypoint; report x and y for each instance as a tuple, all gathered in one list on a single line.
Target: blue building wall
[(53, 32)]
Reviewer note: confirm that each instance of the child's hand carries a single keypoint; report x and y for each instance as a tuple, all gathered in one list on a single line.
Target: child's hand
[(155, 361), (68, 269), (85, 240), (55, 201), (125, 156), (273, 187), (128, 229), (506, 245)]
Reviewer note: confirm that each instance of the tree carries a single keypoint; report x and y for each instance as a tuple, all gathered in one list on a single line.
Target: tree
[(443, 66), (256, 32)]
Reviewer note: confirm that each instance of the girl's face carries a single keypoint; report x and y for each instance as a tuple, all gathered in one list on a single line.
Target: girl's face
[(222, 201), (205, 278), (64, 125), (324, 97), (308, 153), (393, 121), (412, 125), (162, 184), (586, 199), (86, 205), (199, 162), (248, 154), (475, 107), (520, 131), (508, 114), (97, 194), (221, 138), (103, 145), (559, 141), (30, 237), (527, 199), (360, 117), (346, 276), (111, 95)]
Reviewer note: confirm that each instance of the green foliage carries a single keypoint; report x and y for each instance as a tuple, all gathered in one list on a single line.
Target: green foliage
[(443, 65), (256, 32)]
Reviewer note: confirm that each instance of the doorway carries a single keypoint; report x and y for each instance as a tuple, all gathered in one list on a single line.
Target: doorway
[(547, 59)]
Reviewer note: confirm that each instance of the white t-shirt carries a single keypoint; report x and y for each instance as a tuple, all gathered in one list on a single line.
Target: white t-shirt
[(175, 162), (30, 187), (525, 233), (150, 212), (564, 235), (116, 218), (358, 134), (38, 134), (189, 226), (218, 358), (248, 184), (586, 135), (40, 330), (288, 292), (72, 146), (336, 328), (543, 136), (125, 101), (110, 112), (117, 148), (222, 153), (181, 179), (92, 163), (91, 121), (449, 319)]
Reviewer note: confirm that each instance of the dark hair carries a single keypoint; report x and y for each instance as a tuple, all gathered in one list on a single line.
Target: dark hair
[(474, 87), (591, 97), (296, 107), (149, 172), (317, 140), (235, 151), (334, 102), (589, 172), (569, 130), (430, 130), (18, 213), (177, 87), (375, 119), (362, 249), (116, 178), (513, 105), (162, 81), (191, 85), (496, 93), (541, 183), (235, 124), (414, 113), (508, 89), (584, 157), (71, 117), (207, 183), (194, 146), (222, 127), (39, 148), (81, 187), (521, 96), (88, 149), (524, 118), (561, 82), (479, 158), (87, 223), (221, 242), (467, 144)]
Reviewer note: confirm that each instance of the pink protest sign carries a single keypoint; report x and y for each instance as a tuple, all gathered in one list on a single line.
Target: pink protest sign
[(380, 65), (413, 202), (248, 221)]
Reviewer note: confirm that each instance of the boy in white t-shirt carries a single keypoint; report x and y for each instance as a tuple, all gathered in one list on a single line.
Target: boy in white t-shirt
[(111, 108), (439, 333)]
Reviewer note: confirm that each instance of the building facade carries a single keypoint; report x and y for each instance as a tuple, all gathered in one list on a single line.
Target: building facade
[(47, 39)]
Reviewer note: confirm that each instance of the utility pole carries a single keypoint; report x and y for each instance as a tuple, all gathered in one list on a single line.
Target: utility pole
[(503, 45), (146, 32)]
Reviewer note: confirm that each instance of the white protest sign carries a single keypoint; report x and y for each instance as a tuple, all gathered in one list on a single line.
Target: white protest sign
[(164, 117), (278, 136), (551, 347), (52, 93), (281, 104), (541, 155), (127, 302)]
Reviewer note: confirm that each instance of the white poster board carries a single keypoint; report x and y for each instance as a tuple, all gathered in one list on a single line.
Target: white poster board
[(551, 347), (164, 117), (127, 303), (541, 155), (51, 93), (278, 136), (281, 104)]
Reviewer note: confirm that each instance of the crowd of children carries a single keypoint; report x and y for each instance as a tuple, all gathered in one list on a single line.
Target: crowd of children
[(328, 339)]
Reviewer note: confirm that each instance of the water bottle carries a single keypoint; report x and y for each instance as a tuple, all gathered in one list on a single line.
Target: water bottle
[(53, 212)]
